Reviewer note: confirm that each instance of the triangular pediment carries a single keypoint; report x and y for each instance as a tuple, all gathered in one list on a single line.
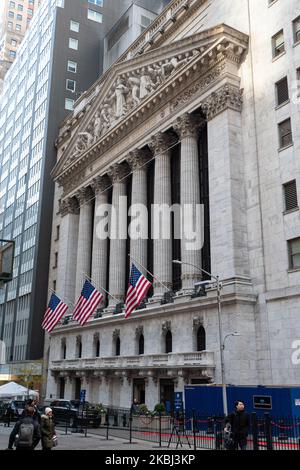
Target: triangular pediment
[(126, 86)]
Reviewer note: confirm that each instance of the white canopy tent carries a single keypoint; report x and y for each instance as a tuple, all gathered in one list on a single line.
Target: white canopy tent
[(14, 391)]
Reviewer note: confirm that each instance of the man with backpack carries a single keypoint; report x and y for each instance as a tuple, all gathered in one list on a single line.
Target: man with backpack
[(26, 433)]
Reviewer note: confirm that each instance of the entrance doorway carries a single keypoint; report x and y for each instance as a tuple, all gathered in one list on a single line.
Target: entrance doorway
[(167, 394), (139, 390), (77, 389)]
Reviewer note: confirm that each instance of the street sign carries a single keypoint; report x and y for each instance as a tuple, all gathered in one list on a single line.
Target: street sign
[(178, 401)]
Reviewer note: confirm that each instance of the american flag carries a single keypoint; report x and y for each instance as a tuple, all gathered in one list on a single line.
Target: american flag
[(87, 303), (137, 289), (55, 311)]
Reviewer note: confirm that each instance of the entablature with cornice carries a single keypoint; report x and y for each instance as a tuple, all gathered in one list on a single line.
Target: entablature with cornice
[(135, 98)]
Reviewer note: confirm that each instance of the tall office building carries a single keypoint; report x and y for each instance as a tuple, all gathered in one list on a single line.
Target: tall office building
[(203, 108), (15, 19), (59, 58)]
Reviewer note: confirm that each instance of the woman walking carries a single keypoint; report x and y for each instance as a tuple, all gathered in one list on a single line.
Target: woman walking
[(48, 430)]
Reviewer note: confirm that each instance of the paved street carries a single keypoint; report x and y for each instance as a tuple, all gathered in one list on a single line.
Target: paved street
[(91, 442)]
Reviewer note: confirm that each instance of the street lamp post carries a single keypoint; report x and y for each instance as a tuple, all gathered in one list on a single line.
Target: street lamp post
[(219, 287)]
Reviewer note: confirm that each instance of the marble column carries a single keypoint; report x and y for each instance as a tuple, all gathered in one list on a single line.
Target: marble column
[(137, 161), (187, 127), (118, 234), (67, 255), (161, 220), (100, 243), (227, 194), (84, 250)]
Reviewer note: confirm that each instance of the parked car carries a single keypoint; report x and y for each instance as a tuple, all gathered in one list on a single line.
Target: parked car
[(14, 407), (70, 411)]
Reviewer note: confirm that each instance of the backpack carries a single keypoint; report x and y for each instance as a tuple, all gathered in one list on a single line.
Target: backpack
[(26, 431)]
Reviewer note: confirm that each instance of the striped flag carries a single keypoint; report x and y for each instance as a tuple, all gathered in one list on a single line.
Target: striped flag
[(87, 303), (137, 290), (55, 311)]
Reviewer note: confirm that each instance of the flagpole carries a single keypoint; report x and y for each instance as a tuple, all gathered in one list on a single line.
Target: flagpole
[(106, 291), (68, 300), (149, 272)]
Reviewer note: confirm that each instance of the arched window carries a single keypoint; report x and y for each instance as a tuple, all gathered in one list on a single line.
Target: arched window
[(201, 339), (78, 347), (169, 342), (97, 348), (141, 344), (118, 346), (63, 349)]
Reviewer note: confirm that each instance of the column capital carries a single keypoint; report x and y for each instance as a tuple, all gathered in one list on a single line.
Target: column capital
[(161, 142), (117, 172), (84, 195), (100, 184), (68, 206), (137, 159), (188, 125), (228, 96)]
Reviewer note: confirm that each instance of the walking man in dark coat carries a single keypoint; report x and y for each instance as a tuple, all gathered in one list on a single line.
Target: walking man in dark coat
[(239, 423)]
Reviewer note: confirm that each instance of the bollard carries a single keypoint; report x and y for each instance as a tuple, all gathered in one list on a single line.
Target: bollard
[(194, 430), (268, 431), (130, 428), (254, 431), (107, 425), (159, 422)]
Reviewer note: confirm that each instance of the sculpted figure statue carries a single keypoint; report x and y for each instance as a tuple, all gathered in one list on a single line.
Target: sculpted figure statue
[(120, 97), (171, 65), (135, 90), (146, 83)]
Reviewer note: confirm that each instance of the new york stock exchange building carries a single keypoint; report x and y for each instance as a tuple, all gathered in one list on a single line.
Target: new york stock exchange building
[(185, 116)]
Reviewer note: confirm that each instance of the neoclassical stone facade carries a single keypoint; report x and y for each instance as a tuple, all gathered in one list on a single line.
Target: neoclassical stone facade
[(164, 125)]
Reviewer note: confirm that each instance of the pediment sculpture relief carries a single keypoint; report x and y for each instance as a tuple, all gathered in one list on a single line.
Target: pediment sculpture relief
[(127, 92)]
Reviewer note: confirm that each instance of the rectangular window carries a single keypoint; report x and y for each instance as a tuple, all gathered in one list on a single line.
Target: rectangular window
[(13, 42), (290, 195), (57, 233), (72, 66), (55, 260), (11, 14), (12, 54), (18, 27), (294, 253), (20, 7), (95, 16), (10, 25), (74, 26), (298, 81), (73, 44), (12, 5), (30, 11), (99, 3), (285, 133), (296, 29), (19, 17), (282, 91), (71, 85), (278, 44), (69, 104)]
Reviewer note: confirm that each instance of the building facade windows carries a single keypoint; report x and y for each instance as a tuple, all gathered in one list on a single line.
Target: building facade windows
[(99, 3), (290, 195), (72, 66), (95, 16), (282, 91), (294, 253), (285, 133), (168, 342), (201, 339), (296, 29), (73, 44), (70, 85), (18, 27), (69, 104), (278, 45), (74, 26)]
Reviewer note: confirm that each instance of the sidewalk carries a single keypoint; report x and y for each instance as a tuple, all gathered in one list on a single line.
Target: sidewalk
[(76, 441)]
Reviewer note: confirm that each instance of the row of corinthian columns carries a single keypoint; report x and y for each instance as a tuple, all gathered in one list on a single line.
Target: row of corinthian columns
[(88, 253)]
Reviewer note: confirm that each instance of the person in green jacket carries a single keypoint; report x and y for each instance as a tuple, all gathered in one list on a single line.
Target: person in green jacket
[(47, 430)]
